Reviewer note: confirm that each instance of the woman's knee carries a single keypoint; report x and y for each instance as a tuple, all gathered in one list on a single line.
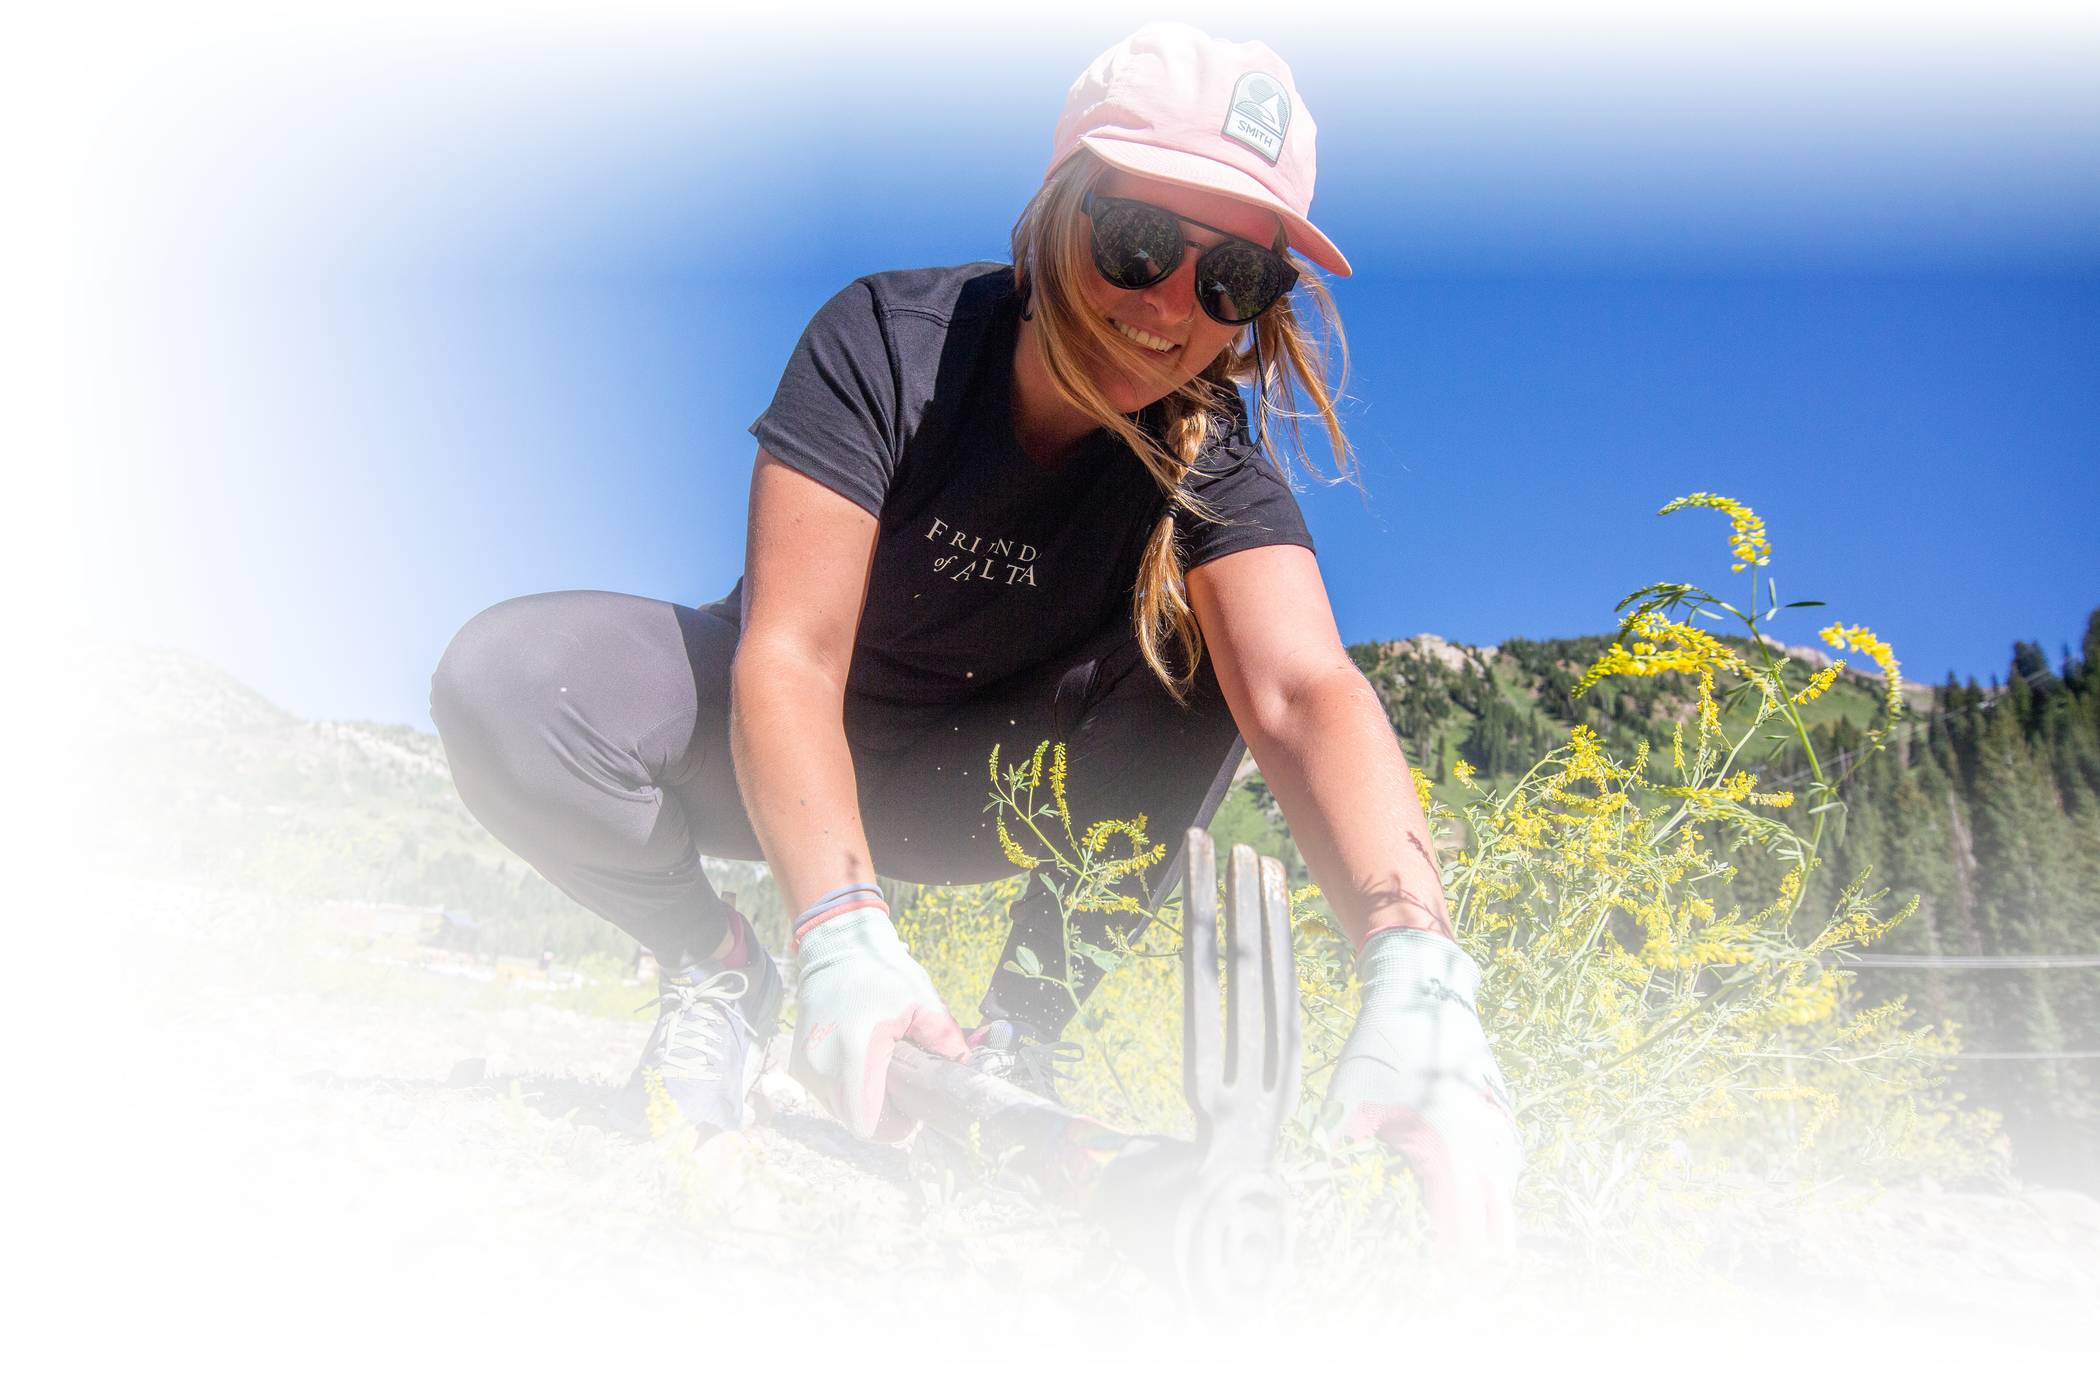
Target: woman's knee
[(490, 668), (527, 759), (584, 707)]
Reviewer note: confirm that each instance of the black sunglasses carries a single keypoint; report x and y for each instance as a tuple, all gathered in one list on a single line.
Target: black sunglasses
[(1138, 245)]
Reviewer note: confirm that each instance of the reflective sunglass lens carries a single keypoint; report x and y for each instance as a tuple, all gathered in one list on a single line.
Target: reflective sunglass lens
[(1136, 245), (1237, 282)]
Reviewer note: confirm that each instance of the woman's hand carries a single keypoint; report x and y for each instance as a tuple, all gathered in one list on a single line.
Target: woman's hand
[(1416, 1073), (860, 993)]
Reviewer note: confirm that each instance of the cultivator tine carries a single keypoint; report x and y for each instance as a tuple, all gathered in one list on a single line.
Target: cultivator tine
[(1200, 1041), (1280, 995), (1243, 1082), (1246, 1018)]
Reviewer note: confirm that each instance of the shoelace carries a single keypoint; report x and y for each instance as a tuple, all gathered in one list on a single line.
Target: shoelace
[(698, 1014)]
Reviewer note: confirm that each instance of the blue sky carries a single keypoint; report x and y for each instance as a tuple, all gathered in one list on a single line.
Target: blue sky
[(411, 322)]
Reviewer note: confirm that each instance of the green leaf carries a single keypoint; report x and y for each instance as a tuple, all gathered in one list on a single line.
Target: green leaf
[(1664, 593), (1772, 589), (1029, 964), (1809, 603), (1105, 959)]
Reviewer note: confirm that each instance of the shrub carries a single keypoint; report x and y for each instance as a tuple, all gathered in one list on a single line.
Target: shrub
[(1665, 1044)]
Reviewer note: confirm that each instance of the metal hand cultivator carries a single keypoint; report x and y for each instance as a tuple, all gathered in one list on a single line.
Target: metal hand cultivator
[(1209, 1215)]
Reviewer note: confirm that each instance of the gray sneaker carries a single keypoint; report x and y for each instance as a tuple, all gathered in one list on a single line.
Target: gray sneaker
[(706, 1049)]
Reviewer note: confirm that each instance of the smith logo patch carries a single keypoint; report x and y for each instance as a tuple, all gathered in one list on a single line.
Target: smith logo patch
[(1260, 115)]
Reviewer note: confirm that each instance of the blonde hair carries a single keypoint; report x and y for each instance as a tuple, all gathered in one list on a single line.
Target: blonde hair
[(1052, 251)]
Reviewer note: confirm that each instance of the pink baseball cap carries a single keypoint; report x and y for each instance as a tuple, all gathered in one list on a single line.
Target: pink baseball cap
[(1172, 103)]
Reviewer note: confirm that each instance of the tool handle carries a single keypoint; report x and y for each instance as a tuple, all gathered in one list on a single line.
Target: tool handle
[(951, 1097), (1060, 1151)]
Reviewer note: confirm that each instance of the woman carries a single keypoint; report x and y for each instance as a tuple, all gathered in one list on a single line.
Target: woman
[(993, 504)]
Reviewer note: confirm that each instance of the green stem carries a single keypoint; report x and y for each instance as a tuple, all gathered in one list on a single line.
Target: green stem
[(1109, 1062), (1774, 669)]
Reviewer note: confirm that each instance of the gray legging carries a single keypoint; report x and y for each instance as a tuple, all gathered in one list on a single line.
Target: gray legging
[(590, 733)]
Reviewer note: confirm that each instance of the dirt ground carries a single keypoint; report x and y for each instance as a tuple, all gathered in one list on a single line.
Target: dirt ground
[(269, 1152)]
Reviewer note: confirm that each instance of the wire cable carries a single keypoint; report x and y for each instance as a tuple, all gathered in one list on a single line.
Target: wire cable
[(2010, 962)]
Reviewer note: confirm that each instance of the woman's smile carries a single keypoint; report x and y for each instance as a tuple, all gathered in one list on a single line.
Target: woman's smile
[(1145, 339)]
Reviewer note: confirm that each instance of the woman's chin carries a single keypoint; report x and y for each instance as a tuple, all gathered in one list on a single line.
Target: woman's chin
[(1131, 389), (1133, 395)]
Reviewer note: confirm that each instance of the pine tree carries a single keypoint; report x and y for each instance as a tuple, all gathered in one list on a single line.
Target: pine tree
[(1921, 860), (2022, 859)]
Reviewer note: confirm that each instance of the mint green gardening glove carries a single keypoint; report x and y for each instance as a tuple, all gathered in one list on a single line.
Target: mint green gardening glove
[(1417, 1074), (859, 994)]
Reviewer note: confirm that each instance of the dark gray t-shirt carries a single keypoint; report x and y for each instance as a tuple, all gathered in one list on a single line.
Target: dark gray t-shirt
[(899, 398)]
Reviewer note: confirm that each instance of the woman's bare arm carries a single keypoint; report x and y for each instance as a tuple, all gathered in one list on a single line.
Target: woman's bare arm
[(1321, 738), (806, 566)]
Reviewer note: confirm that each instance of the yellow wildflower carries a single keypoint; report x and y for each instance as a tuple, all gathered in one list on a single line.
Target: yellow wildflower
[(1837, 634), (1801, 1002), (1818, 683), (1873, 1022), (1142, 856), (1705, 651), (1691, 649), (1525, 826), (1860, 928), (1860, 639), (1709, 712), (1789, 891), (1588, 760), (1057, 789), (659, 1107), (1748, 543), (1013, 849)]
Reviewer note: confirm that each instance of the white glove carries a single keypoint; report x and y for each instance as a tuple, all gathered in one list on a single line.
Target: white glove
[(860, 993), (1416, 1073)]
